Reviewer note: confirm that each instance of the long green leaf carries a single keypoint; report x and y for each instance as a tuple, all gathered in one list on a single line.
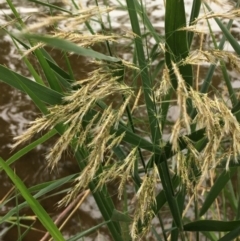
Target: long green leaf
[(194, 14), (31, 146), (211, 236), (43, 93), (49, 74), (231, 235), (147, 22), (33, 203), (70, 47), (41, 106), (215, 190), (51, 6), (42, 189), (88, 231), (212, 225), (177, 47), (233, 41)]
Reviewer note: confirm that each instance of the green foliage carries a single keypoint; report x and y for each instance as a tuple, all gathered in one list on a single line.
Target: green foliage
[(108, 137)]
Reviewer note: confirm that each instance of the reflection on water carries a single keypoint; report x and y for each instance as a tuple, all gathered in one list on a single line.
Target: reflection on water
[(17, 110)]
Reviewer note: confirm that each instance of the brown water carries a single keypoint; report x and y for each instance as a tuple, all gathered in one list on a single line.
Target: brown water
[(16, 110)]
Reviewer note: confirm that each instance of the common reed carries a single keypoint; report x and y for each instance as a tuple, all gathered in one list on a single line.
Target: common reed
[(107, 137)]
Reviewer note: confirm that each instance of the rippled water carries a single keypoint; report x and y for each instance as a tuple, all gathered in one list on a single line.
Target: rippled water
[(16, 110)]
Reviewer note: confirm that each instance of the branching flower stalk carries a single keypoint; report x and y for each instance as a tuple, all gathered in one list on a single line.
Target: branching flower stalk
[(212, 56), (146, 201), (70, 20), (219, 123), (95, 134)]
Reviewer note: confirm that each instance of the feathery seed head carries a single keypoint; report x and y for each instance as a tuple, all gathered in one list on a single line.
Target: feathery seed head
[(219, 123), (145, 203)]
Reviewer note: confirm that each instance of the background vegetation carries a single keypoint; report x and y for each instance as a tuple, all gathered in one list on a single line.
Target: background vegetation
[(115, 120)]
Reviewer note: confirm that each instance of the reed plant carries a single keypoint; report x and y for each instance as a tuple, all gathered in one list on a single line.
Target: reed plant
[(115, 119)]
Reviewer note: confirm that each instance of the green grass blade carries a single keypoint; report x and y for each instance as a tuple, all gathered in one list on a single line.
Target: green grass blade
[(212, 225), (161, 198), (46, 187), (41, 106), (42, 189), (211, 236), (118, 216), (151, 110), (59, 71), (155, 233), (231, 235), (31, 69), (49, 74), (31, 146), (15, 12), (70, 47), (147, 22), (194, 14), (87, 232), (69, 67), (229, 195), (176, 41), (51, 6), (180, 200), (227, 80), (61, 75), (169, 193), (226, 33), (215, 190), (45, 94), (51, 78), (146, 82), (33, 203)]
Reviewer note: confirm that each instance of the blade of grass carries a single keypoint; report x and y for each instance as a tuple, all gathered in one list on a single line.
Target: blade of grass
[(176, 41), (33, 203), (194, 14), (31, 69), (49, 74), (31, 146), (212, 225), (231, 235), (230, 196), (147, 85), (211, 236), (215, 190), (69, 47), (88, 231), (226, 32), (51, 78), (51, 6), (157, 236), (41, 106), (147, 22), (45, 94), (42, 189), (63, 76)]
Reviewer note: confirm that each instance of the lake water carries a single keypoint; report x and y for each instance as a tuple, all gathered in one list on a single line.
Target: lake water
[(17, 110)]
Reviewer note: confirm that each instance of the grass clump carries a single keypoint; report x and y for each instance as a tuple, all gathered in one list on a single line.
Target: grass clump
[(99, 117)]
